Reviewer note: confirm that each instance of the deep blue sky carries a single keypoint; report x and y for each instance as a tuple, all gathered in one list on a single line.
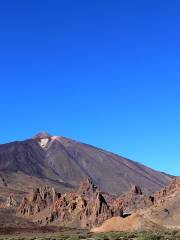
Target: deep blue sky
[(102, 72)]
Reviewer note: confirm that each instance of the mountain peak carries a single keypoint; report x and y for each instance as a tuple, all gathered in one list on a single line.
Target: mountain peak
[(42, 135), (65, 161)]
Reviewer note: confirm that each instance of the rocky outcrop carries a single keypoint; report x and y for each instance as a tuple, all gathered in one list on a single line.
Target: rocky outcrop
[(131, 201), (87, 187), (10, 202), (2, 182), (136, 190), (37, 200), (89, 207), (165, 210), (86, 208), (168, 192)]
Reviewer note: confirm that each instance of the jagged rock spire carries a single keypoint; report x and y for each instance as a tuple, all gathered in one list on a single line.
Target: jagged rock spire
[(87, 186), (136, 190)]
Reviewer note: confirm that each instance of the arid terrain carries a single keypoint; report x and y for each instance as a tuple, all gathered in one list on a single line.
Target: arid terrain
[(56, 187)]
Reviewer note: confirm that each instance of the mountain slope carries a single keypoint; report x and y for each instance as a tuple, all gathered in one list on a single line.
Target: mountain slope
[(64, 163)]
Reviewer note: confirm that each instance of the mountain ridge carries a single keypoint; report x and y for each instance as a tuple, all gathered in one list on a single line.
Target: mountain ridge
[(63, 161)]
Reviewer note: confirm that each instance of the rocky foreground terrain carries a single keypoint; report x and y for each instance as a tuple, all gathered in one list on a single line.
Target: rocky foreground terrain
[(166, 208), (97, 211), (50, 183), (164, 212)]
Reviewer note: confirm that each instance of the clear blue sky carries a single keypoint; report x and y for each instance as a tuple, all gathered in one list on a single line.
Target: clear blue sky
[(101, 72)]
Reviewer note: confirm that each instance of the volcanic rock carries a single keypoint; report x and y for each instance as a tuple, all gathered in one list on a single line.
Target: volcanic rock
[(86, 208), (166, 208), (10, 202), (87, 187), (63, 163), (89, 207), (37, 200), (42, 135), (131, 201)]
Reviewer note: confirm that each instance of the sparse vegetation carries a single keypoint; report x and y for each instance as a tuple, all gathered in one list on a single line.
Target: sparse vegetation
[(162, 235)]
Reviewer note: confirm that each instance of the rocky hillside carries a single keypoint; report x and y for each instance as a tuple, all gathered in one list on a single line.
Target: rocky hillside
[(166, 208), (88, 207), (160, 211), (85, 208), (63, 163)]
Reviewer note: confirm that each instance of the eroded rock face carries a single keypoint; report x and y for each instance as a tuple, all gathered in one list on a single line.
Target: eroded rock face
[(11, 202), (37, 200), (165, 210), (87, 187), (167, 192), (136, 190), (167, 200), (86, 208), (132, 201)]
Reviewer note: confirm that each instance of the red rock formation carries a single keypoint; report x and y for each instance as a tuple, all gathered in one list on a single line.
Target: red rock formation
[(37, 200), (131, 201), (86, 208), (165, 210), (171, 189), (10, 202)]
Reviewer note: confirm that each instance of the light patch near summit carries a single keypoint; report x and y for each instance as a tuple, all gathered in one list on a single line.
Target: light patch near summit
[(43, 142)]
